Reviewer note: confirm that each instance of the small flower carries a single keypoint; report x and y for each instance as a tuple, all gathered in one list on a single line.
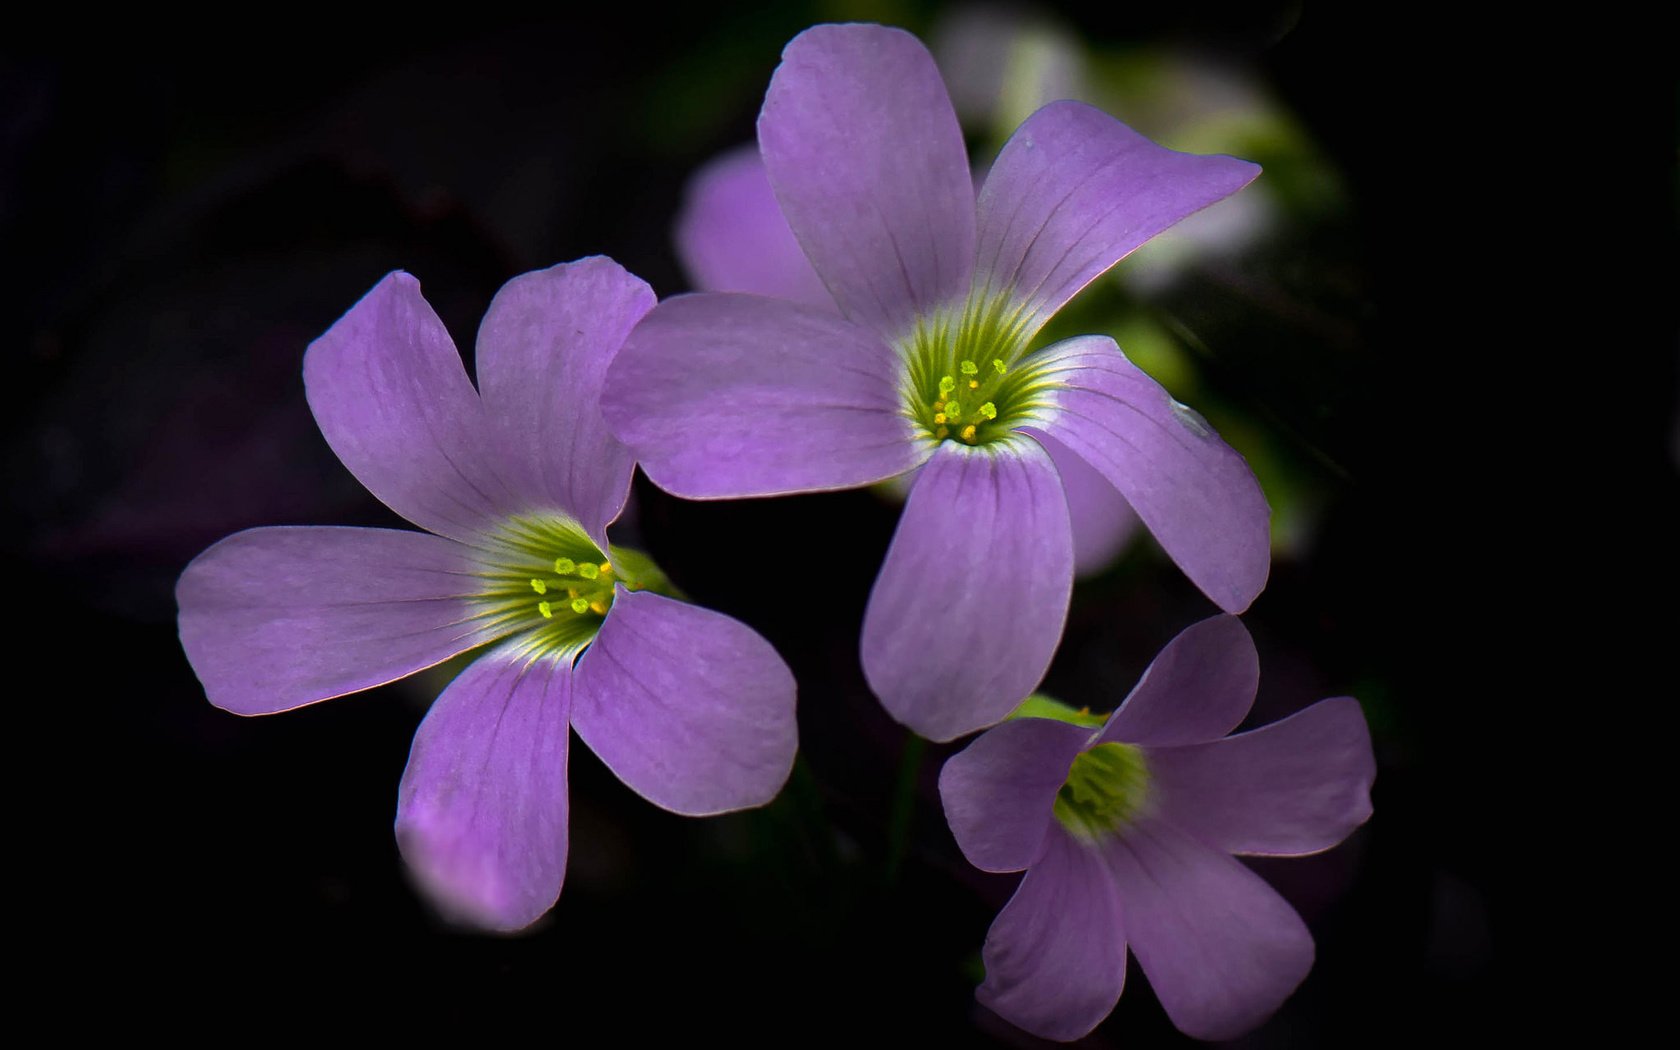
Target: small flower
[(516, 483), (1126, 826), (728, 395)]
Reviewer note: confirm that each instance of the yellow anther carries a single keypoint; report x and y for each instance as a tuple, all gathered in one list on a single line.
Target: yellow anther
[(564, 566), (588, 571), (580, 605), (599, 606), (539, 586), (974, 384), (939, 417), (947, 384), (969, 368), (989, 410), (571, 592), (606, 568), (546, 609), (968, 433), (939, 406), (997, 363), (942, 433)]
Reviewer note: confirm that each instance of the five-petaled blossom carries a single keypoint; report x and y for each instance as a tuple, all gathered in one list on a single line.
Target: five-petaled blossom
[(927, 368), (516, 483), (1126, 829)]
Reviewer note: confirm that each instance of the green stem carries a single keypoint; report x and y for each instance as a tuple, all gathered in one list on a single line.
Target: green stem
[(903, 806)]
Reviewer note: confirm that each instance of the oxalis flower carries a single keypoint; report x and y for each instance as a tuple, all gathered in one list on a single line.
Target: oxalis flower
[(928, 368), (516, 483), (1126, 826)]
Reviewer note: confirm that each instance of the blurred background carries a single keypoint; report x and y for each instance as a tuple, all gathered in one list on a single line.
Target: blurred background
[(179, 221)]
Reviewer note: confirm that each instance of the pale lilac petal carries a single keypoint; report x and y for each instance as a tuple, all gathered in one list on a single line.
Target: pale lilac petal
[(1074, 191), (1296, 786), (970, 603), (998, 791), (1103, 522), (1192, 490), (481, 813), (1220, 947), (543, 351), (276, 618), (1056, 954), (693, 710), (866, 157), (1196, 689), (393, 400), (725, 395), (731, 236)]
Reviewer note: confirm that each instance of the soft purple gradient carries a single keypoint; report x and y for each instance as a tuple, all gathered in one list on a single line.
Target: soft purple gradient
[(1074, 191), (1220, 948), (756, 397), (868, 162), (1193, 491), (543, 351), (694, 710), (725, 396), (731, 236), (984, 541)]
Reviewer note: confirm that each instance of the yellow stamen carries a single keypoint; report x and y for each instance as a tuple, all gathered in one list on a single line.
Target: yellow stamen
[(599, 606), (969, 368), (546, 610), (939, 417), (974, 384), (989, 410), (564, 566), (580, 605), (942, 433), (968, 433), (606, 568), (588, 571), (539, 586)]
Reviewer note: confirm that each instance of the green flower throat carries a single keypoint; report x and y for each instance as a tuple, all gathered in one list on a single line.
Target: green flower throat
[(545, 580), (965, 380)]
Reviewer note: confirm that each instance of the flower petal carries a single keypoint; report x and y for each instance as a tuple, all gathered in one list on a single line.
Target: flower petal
[(1193, 491), (998, 791), (866, 157), (693, 710), (970, 603), (1056, 954), (393, 400), (481, 813), (731, 235), (1296, 786), (1103, 522), (1073, 192), (1220, 947), (273, 619), (543, 352), (1196, 689), (725, 395)]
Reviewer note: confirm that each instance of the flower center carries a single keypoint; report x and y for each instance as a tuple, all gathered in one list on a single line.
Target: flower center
[(546, 580), (1105, 788), (963, 377)]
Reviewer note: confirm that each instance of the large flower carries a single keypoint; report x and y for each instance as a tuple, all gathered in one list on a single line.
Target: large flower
[(516, 483), (1126, 828), (941, 293)]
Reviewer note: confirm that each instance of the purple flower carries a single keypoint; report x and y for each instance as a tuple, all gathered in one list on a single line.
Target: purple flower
[(516, 483), (1126, 833), (928, 370), (732, 238)]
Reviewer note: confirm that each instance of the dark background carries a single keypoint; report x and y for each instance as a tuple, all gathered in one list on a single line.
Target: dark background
[(181, 219)]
